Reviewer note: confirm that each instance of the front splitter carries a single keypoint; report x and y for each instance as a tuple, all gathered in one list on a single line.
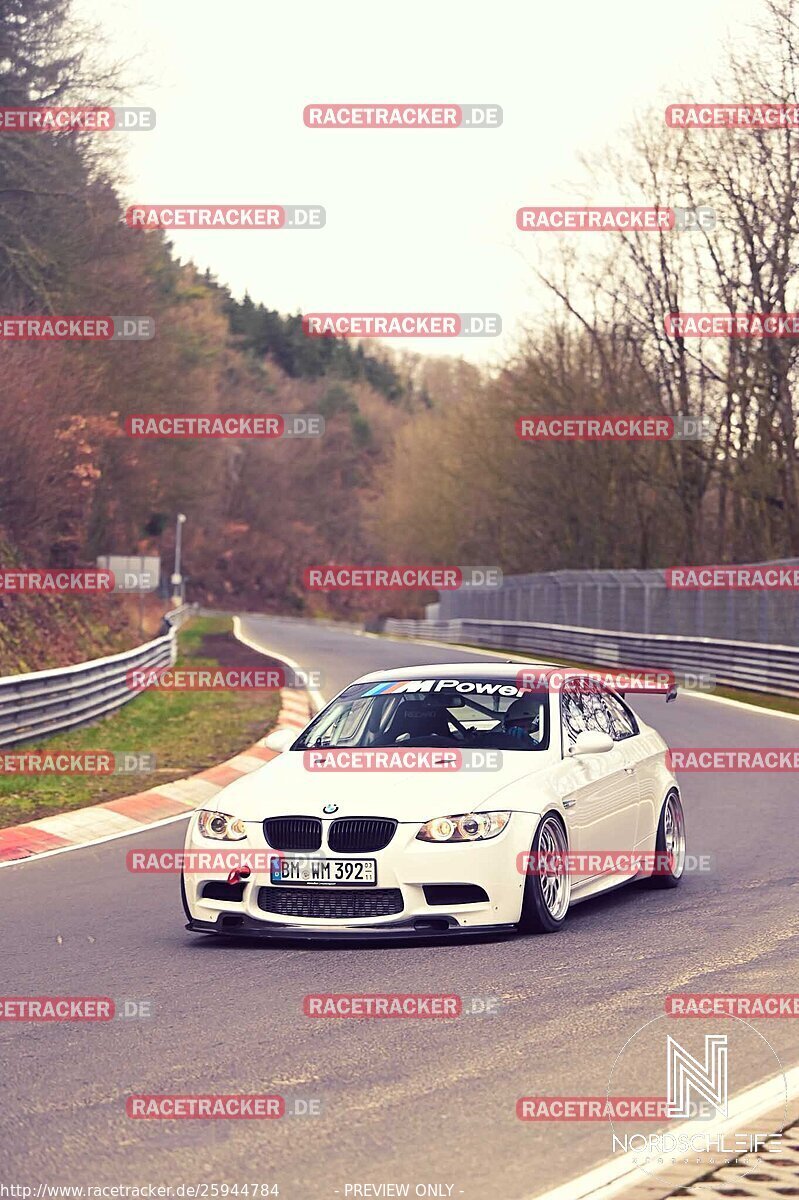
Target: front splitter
[(247, 927)]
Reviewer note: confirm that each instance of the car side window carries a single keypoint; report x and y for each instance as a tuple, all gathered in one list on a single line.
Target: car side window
[(623, 723), (577, 710), (597, 714), (584, 705), (571, 718)]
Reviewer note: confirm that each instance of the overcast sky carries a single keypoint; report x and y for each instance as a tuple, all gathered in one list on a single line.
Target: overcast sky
[(416, 221)]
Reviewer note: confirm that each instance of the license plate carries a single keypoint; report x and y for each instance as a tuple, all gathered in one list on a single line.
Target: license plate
[(352, 872)]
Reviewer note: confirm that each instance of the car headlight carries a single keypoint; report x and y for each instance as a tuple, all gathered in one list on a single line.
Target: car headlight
[(220, 826), (470, 827)]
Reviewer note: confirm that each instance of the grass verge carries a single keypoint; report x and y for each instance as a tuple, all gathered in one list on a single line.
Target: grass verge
[(185, 731)]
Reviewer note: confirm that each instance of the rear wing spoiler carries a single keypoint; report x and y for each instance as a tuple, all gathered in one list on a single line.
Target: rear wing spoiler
[(671, 694)]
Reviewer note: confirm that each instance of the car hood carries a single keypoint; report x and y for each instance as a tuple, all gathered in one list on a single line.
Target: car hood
[(285, 787)]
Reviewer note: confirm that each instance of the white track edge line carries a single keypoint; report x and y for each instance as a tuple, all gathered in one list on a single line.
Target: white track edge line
[(614, 1176), (317, 699)]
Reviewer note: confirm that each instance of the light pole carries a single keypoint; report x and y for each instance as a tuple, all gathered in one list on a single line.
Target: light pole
[(177, 578)]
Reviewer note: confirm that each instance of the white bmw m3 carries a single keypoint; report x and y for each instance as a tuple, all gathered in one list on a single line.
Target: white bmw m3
[(439, 800)]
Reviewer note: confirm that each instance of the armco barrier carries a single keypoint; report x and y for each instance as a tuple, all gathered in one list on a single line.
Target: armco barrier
[(754, 667), (636, 601), (44, 702)]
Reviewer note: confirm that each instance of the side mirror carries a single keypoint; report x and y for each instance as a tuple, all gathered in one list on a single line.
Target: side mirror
[(280, 739), (592, 741)]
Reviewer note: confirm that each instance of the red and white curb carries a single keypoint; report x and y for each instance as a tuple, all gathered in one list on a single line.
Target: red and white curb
[(158, 806)]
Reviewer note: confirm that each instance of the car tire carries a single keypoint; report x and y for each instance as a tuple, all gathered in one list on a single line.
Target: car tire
[(545, 902), (670, 840)]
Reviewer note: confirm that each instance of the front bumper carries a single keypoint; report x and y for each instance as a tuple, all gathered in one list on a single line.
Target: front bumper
[(405, 867)]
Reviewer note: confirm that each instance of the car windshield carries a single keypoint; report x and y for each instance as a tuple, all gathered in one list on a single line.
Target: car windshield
[(433, 712)]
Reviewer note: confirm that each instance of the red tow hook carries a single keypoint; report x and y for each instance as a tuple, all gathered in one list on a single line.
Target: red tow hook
[(239, 875)]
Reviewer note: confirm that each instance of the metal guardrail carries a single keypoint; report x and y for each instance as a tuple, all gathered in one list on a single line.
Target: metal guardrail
[(636, 601), (755, 667), (45, 702)]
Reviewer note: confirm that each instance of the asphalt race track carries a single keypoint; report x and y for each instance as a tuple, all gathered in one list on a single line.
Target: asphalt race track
[(417, 1101)]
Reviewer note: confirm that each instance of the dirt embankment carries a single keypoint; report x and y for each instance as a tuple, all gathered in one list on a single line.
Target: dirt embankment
[(40, 632)]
